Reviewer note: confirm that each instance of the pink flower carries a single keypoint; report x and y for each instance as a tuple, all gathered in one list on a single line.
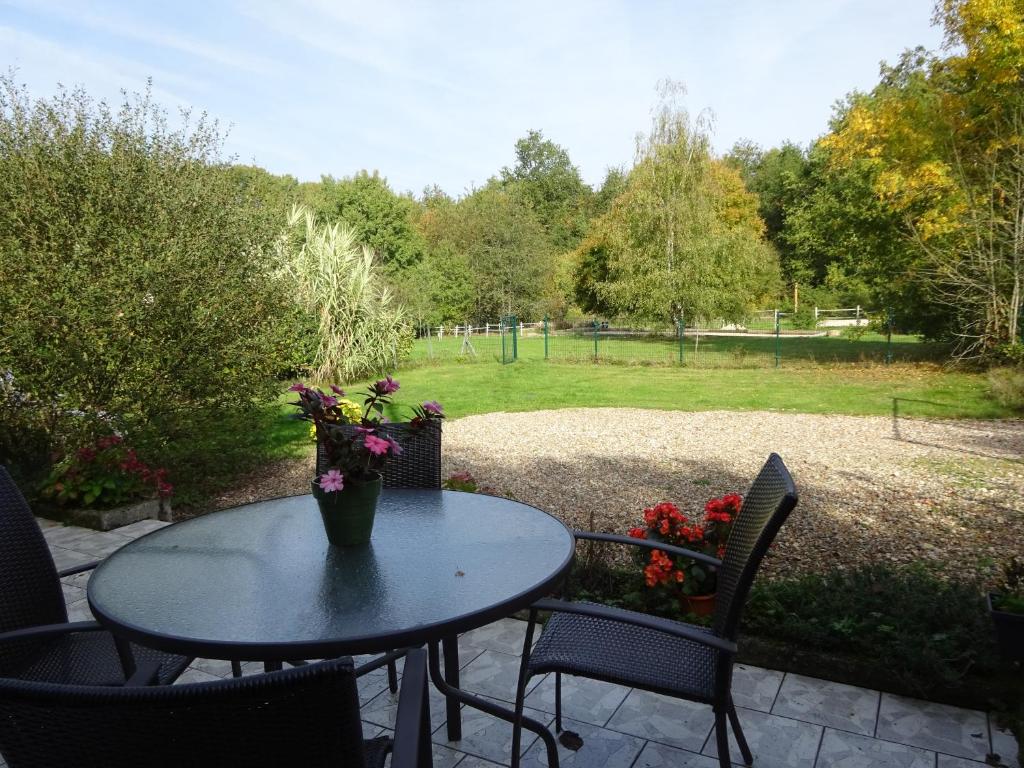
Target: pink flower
[(432, 406), (386, 386), (364, 430), (376, 445), (396, 449), (332, 481), (297, 387), (337, 390), (328, 401)]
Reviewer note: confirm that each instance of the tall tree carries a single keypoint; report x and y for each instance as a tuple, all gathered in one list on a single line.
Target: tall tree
[(551, 185), (684, 237), (943, 137), (381, 220)]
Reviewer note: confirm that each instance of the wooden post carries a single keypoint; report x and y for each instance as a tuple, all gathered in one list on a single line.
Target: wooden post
[(796, 297)]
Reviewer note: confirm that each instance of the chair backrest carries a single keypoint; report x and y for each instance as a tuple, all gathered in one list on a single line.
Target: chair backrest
[(765, 508), (306, 716), (30, 591), (419, 464)]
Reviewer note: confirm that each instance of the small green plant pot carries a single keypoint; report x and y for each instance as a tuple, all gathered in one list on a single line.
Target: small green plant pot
[(1009, 631), (348, 514)]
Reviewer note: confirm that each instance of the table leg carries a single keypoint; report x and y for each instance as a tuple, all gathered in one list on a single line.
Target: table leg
[(450, 648), (434, 664)]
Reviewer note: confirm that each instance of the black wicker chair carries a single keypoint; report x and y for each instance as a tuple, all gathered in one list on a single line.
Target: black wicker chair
[(419, 464), (659, 655), (308, 716), (36, 640)]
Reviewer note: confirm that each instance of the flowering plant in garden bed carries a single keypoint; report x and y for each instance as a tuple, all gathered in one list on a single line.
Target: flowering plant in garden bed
[(104, 475), (357, 447), (665, 523)]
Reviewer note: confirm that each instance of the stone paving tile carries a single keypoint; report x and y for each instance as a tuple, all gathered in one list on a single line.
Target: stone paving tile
[(494, 674), (443, 756), (192, 675), (504, 635), (840, 749), (601, 747), (490, 737), (72, 594), (217, 667), (472, 761), (1004, 744), (675, 722), (938, 727), (948, 761), (69, 558), (80, 580), (754, 687), (776, 742), (589, 701), (826, 703), (79, 611), (660, 756), (384, 706)]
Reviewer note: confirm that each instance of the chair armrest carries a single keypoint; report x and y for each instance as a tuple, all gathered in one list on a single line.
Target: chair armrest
[(78, 569), (412, 747), (700, 557), (637, 619), (381, 661), (45, 631)]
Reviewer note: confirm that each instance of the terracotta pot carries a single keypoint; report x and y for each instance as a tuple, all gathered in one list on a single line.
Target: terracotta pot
[(348, 514), (699, 605)]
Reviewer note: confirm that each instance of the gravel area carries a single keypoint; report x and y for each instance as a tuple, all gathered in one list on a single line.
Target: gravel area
[(872, 489)]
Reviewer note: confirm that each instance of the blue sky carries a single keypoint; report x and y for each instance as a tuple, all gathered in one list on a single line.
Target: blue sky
[(439, 92)]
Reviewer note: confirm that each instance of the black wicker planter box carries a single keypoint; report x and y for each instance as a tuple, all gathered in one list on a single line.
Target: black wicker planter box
[(1009, 631), (419, 465)]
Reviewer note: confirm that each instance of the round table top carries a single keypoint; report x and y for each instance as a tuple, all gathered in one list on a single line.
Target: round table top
[(261, 582)]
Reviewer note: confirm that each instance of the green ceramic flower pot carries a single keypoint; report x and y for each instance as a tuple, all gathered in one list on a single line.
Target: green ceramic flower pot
[(348, 513)]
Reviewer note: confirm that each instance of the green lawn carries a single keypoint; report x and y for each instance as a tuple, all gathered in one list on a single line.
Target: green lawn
[(698, 350), (919, 391)]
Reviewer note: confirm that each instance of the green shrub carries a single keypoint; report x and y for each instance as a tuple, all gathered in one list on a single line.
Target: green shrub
[(914, 628), (1007, 386), (137, 280)]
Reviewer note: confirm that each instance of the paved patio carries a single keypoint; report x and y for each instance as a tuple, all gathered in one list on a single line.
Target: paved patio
[(791, 721)]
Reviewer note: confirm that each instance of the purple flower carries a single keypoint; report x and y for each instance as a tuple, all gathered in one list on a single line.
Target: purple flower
[(434, 407), (396, 449), (386, 386), (332, 481), (337, 390), (328, 401), (376, 445), (297, 387)]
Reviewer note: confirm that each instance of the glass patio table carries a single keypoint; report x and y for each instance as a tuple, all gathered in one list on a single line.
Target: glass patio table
[(260, 582)]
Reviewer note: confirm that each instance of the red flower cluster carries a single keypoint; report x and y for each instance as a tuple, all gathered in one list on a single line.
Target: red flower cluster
[(106, 473), (665, 523), (662, 570), (723, 510)]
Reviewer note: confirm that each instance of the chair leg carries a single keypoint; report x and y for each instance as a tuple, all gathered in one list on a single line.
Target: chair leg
[(517, 725), (722, 737), (558, 702), (734, 721), (392, 676)]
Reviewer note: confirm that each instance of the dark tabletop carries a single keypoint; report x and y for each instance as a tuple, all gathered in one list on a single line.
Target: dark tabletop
[(260, 582)]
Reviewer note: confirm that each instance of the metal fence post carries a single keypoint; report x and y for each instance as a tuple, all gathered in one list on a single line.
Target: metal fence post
[(778, 331), (545, 337), (596, 326), (515, 343), (888, 335), (682, 334)]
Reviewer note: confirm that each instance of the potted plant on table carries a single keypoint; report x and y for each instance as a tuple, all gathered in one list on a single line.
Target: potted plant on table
[(353, 446), (105, 485), (693, 583), (1007, 610)]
